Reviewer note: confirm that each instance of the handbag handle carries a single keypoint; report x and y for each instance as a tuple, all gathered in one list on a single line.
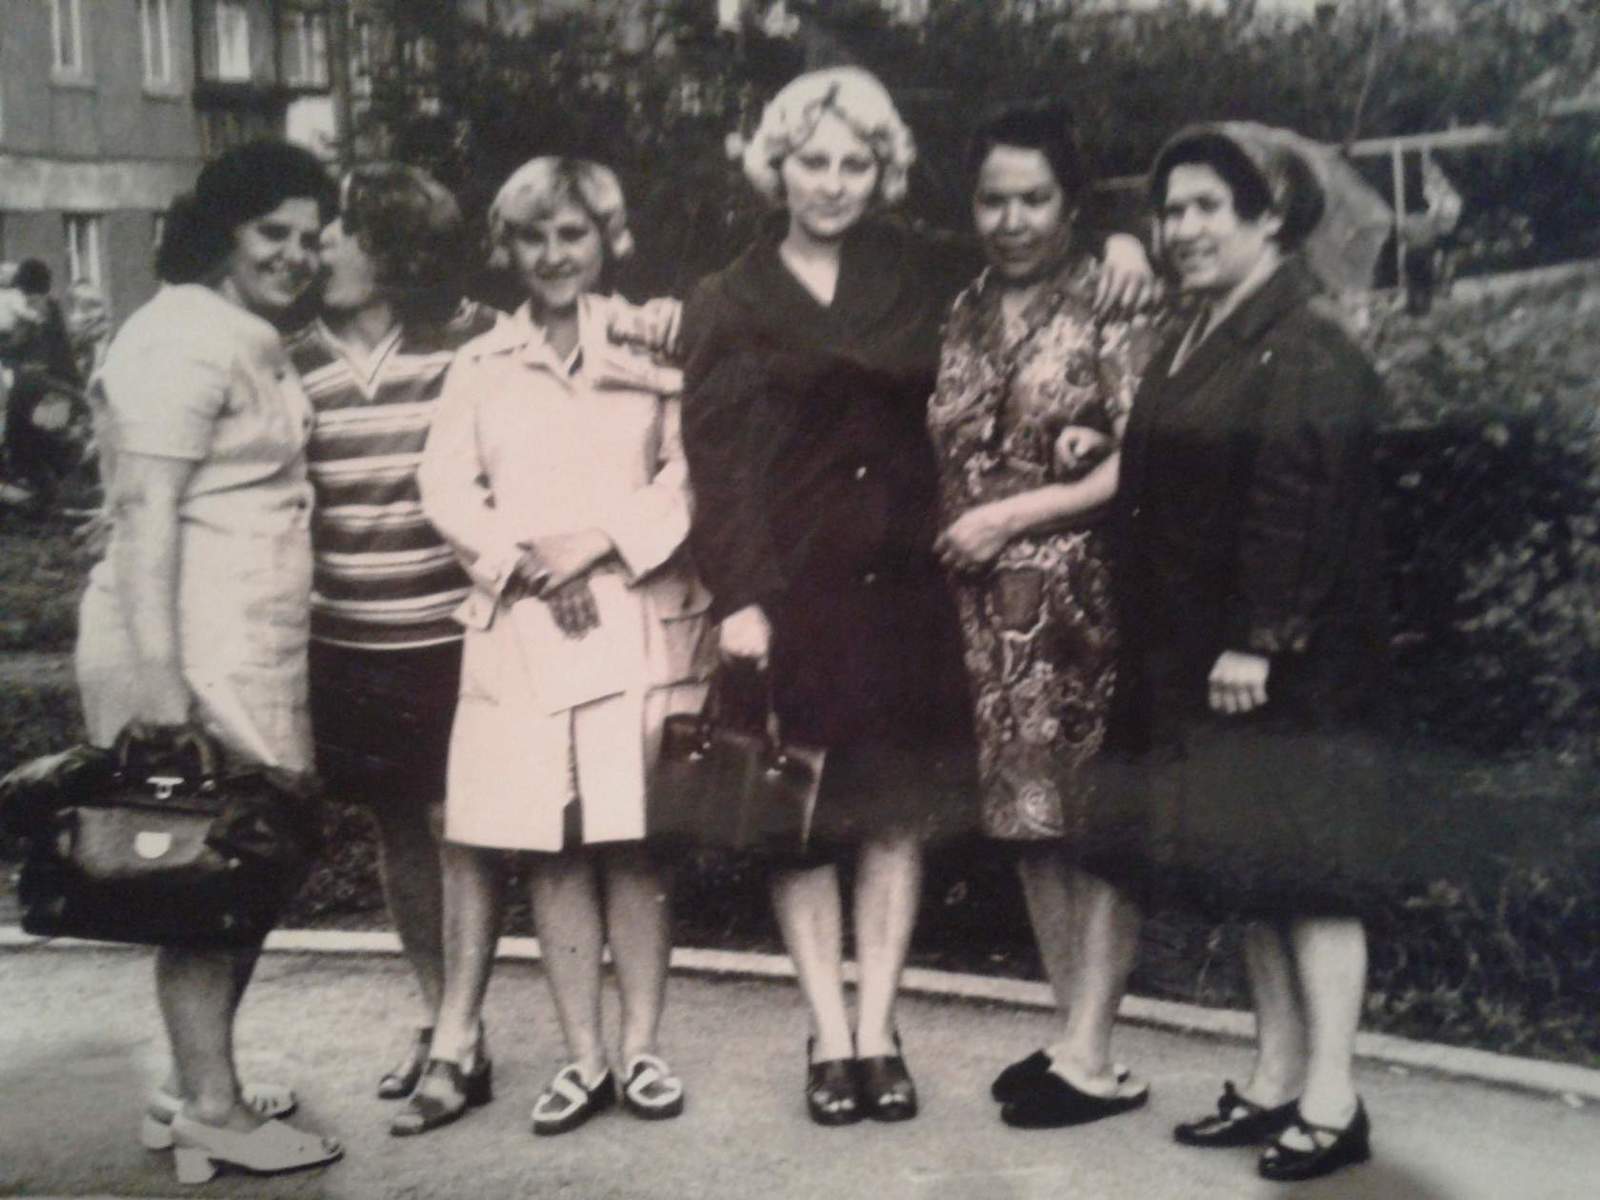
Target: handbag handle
[(712, 715), (167, 755)]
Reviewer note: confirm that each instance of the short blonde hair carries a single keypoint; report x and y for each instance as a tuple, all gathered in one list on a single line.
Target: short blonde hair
[(854, 96), (541, 185)]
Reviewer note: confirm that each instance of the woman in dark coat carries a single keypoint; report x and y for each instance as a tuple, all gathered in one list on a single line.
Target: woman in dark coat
[(809, 364), (1252, 608)]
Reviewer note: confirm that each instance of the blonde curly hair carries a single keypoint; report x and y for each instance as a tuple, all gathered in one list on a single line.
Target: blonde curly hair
[(854, 96), (541, 185)]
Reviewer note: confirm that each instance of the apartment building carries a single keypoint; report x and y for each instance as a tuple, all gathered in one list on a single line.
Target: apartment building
[(108, 108)]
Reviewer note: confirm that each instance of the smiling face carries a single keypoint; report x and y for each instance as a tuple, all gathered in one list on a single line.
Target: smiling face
[(1021, 213), (1211, 247), (829, 181), (274, 258), (349, 274), (558, 256)]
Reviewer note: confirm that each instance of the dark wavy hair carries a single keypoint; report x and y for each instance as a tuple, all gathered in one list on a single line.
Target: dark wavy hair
[(410, 226), (238, 186), (1046, 126), (1285, 186)]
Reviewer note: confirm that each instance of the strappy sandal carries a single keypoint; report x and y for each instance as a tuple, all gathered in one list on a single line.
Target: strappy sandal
[(200, 1150), (266, 1100), (1331, 1148), (1237, 1122), (887, 1090), (1013, 1080), (444, 1094), (833, 1093), (1052, 1102), (650, 1089), (401, 1080), (569, 1102)]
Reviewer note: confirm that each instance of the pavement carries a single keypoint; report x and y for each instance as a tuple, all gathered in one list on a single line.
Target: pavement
[(81, 1042)]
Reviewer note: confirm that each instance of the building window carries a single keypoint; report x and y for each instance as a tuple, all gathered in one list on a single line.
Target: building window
[(231, 30), (83, 248), (361, 58), (158, 230), (155, 26), (66, 37), (303, 46)]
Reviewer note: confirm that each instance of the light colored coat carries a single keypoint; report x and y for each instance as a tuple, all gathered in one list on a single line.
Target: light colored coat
[(522, 448)]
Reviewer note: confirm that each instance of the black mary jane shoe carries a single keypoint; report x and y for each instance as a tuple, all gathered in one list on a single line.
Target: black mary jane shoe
[(1237, 1122), (1050, 1102), (1331, 1148), (833, 1094), (443, 1094), (887, 1090), (401, 1080)]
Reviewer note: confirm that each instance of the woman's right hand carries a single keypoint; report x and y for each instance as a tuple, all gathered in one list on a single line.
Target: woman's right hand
[(745, 636)]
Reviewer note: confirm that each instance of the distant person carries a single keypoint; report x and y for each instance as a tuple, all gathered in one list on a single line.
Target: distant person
[(197, 614), (385, 647), (44, 388), (88, 322), (1254, 651)]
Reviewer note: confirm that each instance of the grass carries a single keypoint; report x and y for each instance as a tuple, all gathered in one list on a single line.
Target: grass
[(41, 576)]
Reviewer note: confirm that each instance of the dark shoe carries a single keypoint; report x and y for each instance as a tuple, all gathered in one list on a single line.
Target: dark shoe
[(1012, 1082), (401, 1079), (1331, 1149), (1237, 1122), (833, 1095), (442, 1095), (887, 1091), (1050, 1102), (569, 1102)]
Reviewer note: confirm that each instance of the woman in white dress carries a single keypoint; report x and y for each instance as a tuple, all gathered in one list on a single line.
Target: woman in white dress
[(555, 469)]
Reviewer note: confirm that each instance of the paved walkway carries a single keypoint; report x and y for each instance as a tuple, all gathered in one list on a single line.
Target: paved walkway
[(80, 1042)]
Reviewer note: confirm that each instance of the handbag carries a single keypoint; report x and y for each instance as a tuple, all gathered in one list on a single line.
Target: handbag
[(153, 843), (722, 786)]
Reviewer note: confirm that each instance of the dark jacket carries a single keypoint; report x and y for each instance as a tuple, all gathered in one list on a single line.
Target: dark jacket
[(1248, 512), (814, 479)]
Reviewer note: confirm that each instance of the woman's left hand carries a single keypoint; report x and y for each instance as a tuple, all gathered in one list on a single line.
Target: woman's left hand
[(1127, 282), (974, 539), (568, 555), (1238, 682)]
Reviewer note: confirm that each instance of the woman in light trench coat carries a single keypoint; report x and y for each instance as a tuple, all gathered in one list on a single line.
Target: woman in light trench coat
[(555, 468)]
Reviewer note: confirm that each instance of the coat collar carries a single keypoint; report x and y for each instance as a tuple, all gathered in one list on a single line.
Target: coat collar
[(1286, 289)]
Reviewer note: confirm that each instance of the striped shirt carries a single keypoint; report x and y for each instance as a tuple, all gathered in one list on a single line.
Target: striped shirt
[(383, 579)]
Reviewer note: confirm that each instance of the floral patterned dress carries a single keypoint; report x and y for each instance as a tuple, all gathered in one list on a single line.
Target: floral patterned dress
[(1037, 626)]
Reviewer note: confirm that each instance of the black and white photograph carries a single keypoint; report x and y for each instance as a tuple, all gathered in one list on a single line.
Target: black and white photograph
[(894, 599)]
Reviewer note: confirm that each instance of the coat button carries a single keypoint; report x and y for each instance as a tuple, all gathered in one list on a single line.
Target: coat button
[(870, 578), (861, 471)]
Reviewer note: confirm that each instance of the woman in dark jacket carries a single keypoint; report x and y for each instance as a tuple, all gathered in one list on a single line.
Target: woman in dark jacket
[(1252, 606), (809, 364)]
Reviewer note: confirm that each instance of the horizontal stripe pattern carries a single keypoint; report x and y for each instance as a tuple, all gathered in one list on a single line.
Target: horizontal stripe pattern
[(384, 578)]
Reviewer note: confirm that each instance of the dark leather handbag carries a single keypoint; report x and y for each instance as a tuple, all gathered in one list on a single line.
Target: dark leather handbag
[(153, 843), (727, 787)]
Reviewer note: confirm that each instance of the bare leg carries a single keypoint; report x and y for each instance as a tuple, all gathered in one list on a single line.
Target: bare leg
[(472, 908), (809, 916), (197, 993), (638, 925), (566, 911), (1330, 956), (1280, 1064), (1108, 939), (410, 865), (1047, 889), (888, 887), (244, 966)]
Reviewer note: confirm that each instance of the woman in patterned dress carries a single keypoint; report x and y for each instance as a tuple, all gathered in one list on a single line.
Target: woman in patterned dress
[(1034, 389)]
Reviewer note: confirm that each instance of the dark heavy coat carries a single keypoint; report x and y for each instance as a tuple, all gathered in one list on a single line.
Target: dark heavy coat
[(816, 496), (1248, 519)]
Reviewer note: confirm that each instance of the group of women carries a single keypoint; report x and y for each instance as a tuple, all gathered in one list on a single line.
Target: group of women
[(1096, 579)]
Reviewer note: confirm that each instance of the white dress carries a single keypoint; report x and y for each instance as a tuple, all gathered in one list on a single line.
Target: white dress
[(192, 376), (526, 445)]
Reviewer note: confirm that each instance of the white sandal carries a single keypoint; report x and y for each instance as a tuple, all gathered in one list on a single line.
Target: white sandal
[(267, 1100), (651, 1090), (200, 1150)]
